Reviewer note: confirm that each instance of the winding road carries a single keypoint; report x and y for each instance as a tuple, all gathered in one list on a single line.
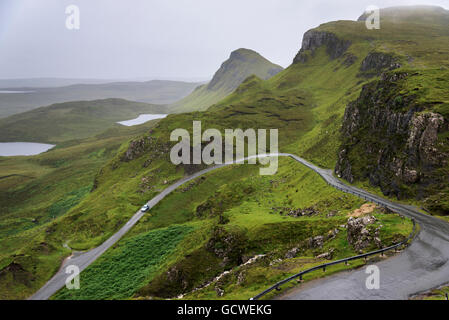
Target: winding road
[(422, 266)]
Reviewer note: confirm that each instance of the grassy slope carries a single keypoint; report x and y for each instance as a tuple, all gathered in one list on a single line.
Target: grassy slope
[(71, 120), (241, 64), (441, 293), (117, 274), (306, 102), (246, 201), (37, 191), (420, 39)]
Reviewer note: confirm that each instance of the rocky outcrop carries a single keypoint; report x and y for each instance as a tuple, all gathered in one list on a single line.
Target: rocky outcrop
[(314, 39), (360, 236), (349, 59), (296, 212), (136, 149), (228, 246), (377, 62), (326, 255), (390, 139), (316, 242), (292, 253), (17, 273), (208, 264), (149, 145)]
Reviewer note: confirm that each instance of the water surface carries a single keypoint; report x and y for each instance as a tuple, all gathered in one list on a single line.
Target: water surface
[(142, 119), (23, 148)]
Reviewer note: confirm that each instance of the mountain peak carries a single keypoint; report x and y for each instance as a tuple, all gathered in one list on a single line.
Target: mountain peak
[(241, 64), (242, 53)]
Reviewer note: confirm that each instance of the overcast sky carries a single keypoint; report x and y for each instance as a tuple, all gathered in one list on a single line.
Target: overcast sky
[(170, 39)]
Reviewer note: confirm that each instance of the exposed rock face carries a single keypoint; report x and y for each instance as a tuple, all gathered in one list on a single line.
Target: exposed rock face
[(204, 266), (227, 245), (326, 255), (314, 39), (390, 140), (174, 275), (18, 274), (219, 291), (376, 62), (138, 147), (349, 59), (135, 149), (332, 233), (316, 242), (358, 234), (296, 212), (292, 253)]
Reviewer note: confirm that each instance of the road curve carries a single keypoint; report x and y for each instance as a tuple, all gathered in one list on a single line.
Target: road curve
[(422, 266)]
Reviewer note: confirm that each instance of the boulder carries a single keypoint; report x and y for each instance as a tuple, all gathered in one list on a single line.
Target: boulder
[(316, 242), (292, 253), (359, 236)]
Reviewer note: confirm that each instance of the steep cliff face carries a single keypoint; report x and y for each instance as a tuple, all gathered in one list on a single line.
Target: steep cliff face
[(377, 62), (313, 39), (392, 139)]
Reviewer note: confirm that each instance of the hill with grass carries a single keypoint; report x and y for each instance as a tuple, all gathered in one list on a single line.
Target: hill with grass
[(370, 104), (37, 191), (153, 92), (241, 64), (71, 120)]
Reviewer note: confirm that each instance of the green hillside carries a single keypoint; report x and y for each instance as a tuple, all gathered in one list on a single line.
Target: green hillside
[(37, 191), (71, 120), (233, 214), (241, 64), (354, 100)]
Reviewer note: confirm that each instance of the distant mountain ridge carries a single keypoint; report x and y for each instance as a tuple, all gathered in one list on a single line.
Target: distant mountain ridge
[(241, 64), (48, 82), (154, 92), (71, 120)]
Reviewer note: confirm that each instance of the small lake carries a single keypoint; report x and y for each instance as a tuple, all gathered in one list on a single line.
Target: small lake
[(142, 119), (8, 149)]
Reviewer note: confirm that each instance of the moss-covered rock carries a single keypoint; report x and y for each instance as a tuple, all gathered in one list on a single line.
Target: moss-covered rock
[(391, 138)]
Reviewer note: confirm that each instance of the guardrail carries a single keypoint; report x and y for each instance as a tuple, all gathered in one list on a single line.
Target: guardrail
[(364, 195), (345, 260)]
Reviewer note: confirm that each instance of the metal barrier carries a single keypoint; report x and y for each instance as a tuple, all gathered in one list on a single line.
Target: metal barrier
[(366, 196), (345, 260)]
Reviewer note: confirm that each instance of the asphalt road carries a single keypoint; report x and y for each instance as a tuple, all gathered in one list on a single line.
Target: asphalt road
[(422, 266)]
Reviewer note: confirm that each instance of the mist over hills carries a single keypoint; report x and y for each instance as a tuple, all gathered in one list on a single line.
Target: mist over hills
[(86, 115), (47, 82), (154, 92), (371, 105), (241, 64)]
